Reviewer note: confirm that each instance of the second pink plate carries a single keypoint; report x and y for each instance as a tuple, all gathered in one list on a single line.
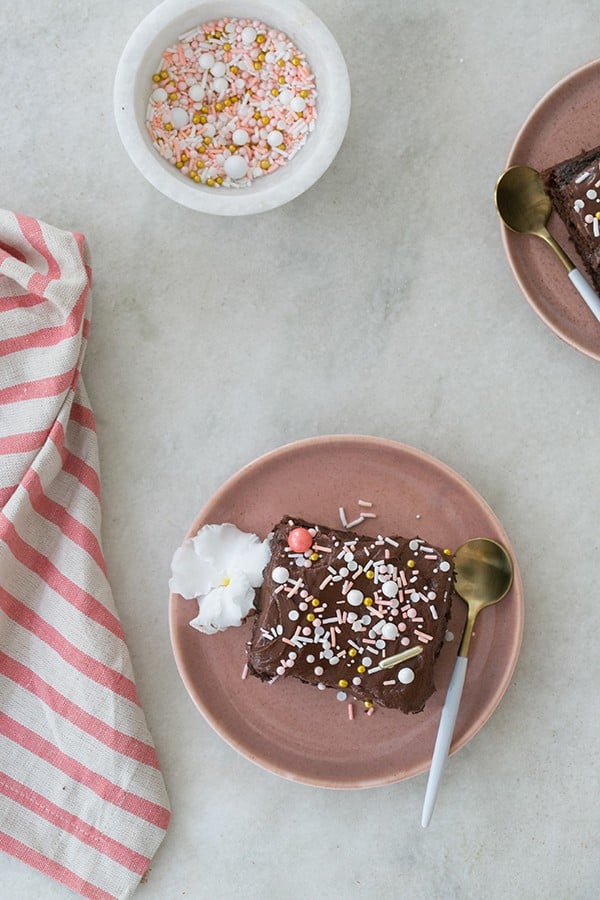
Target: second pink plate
[(293, 729), (564, 123)]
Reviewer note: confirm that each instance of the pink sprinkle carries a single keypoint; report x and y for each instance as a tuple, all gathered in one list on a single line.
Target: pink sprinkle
[(366, 503), (350, 711), (371, 711), (245, 672)]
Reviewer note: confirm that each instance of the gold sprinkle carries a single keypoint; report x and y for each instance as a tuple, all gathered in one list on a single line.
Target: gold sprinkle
[(232, 148), (173, 96), (281, 79), (197, 179), (164, 74), (227, 101), (275, 92), (256, 115), (219, 180), (219, 106), (207, 140), (196, 119), (281, 63), (310, 617), (315, 601), (352, 651), (265, 164), (411, 563), (295, 61), (265, 120), (397, 658), (199, 164), (260, 38), (370, 574), (179, 165), (304, 94), (226, 47), (361, 669), (204, 109), (234, 70), (184, 157), (449, 552), (261, 57), (368, 601), (210, 182), (168, 126), (368, 704), (314, 557), (156, 78), (257, 65), (342, 683)]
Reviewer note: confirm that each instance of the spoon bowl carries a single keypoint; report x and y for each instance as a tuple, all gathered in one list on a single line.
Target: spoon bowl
[(484, 575), (525, 207)]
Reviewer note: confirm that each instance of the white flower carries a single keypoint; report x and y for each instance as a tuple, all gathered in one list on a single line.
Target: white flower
[(221, 566)]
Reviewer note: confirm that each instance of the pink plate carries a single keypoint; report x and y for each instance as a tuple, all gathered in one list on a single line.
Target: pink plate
[(564, 123), (294, 729)]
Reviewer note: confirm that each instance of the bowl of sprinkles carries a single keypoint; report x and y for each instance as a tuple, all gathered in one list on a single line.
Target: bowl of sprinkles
[(232, 108)]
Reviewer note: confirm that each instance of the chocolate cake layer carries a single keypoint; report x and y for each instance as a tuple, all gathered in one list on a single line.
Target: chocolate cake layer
[(336, 611), (574, 187)]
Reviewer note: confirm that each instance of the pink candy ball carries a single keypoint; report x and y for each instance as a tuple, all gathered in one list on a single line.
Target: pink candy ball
[(299, 540)]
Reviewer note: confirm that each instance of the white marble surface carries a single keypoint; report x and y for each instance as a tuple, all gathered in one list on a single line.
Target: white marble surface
[(207, 336)]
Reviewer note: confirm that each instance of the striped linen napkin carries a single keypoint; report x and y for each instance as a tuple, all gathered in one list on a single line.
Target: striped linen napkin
[(82, 798)]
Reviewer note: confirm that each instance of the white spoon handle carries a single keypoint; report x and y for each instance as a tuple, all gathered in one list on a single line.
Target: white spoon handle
[(589, 294), (444, 737)]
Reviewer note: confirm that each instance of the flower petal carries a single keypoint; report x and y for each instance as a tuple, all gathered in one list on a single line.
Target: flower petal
[(191, 576), (224, 606), (230, 550)]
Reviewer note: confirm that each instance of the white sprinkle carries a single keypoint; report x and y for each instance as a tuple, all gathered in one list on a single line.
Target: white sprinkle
[(366, 503), (355, 522), (341, 695), (581, 177), (405, 676), (595, 227), (389, 540), (448, 636), (343, 519), (374, 669), (433, 611)]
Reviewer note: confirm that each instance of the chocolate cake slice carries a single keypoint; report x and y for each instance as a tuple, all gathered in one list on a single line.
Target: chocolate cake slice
[(574, 187), (366, 615)]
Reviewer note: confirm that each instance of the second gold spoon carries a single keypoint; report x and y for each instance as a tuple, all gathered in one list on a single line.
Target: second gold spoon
[(524, 207)]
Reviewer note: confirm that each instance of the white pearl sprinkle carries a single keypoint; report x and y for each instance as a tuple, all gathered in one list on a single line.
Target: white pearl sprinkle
[(240, 137), (280, 574), (206, 60), (406, 676), (236, 167)]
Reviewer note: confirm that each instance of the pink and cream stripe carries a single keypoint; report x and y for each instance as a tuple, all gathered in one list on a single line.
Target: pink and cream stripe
[(82, 798)]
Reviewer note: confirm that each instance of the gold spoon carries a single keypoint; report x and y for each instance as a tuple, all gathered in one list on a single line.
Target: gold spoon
[(484, 575), (524, 207)]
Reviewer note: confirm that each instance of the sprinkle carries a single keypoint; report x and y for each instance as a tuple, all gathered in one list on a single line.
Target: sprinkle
[(350, 708), (355, 522), (245, 672), (397, 658), (342, 515), (390, 540), (366, 503)]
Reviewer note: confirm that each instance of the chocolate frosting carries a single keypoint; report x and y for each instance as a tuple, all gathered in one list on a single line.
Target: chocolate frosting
[(574, 187), (331, 615)]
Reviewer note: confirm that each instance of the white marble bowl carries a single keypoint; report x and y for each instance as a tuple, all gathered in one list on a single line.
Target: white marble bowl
[(132, 88)]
